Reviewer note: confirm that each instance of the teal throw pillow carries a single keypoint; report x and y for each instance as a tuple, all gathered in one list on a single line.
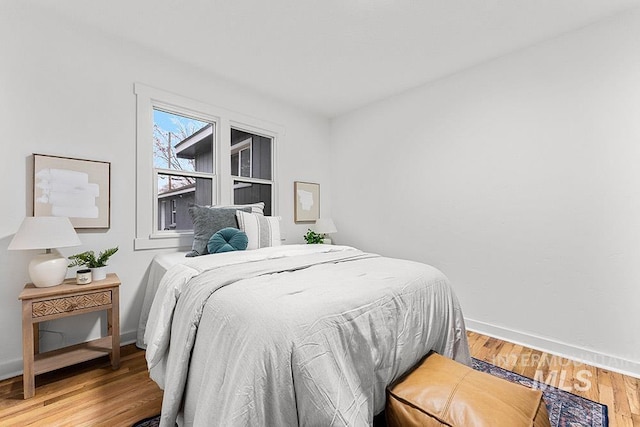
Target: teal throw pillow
[(227, 240)]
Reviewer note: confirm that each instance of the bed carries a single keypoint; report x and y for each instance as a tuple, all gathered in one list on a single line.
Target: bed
[(291, 335)]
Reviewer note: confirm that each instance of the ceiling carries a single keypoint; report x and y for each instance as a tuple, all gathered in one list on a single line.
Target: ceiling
[(333, 56)]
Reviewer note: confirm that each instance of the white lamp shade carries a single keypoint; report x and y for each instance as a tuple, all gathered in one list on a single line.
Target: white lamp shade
[(325, 226), (44, 232)]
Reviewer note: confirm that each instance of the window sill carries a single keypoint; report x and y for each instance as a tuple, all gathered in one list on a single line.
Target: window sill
[(163, 242)]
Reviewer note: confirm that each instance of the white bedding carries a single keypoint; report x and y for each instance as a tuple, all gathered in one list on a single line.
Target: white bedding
[(294, 335), (159, 266)]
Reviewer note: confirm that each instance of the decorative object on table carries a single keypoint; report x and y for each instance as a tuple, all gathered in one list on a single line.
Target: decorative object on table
[(313, 238), (325, 226), (46, 232), (95, 263), (74, 188), (83, 277), (306, 202)]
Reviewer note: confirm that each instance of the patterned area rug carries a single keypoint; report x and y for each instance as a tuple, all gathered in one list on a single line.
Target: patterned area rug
[(148, 422), (565, 409)]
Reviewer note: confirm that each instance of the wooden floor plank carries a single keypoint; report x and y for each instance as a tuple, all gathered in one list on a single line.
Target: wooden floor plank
[(590, 382), (632, 386), (503, 356), (522, 361), (534, 365), (478, 342), (620, 394)]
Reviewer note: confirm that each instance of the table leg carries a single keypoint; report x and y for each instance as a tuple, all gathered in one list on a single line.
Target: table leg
[(113, 327), (36, 338), (28, 379)]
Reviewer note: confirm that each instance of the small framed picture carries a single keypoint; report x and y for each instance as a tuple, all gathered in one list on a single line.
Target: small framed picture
[(307, 202), (76, 188)]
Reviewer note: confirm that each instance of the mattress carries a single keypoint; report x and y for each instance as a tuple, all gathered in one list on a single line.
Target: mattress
[(293, 335)]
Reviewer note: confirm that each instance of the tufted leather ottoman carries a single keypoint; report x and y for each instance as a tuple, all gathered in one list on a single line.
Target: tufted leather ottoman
[(442, 392)]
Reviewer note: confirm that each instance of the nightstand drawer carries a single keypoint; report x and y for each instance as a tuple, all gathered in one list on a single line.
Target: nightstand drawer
[(70, 303)]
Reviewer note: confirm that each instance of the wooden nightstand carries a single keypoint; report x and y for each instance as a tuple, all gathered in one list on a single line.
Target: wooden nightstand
[(67, 299)]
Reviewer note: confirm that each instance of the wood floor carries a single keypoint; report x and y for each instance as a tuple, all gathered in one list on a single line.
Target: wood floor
[(92, 394), (88, 394)]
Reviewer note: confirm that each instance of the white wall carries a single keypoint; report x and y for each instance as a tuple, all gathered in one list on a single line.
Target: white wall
[(520, 179), (65, 90)]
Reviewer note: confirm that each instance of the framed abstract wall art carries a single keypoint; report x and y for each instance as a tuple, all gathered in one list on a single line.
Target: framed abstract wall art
[(307, 202), (76, 188)]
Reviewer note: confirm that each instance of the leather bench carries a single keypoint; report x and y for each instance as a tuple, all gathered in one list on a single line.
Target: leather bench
[(442, 392)]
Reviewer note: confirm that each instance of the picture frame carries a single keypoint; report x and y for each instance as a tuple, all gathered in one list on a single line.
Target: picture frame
[(306, 202), (79, 189)]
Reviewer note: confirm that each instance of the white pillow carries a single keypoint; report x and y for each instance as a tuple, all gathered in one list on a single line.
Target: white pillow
[(261, 230), (256, 208)]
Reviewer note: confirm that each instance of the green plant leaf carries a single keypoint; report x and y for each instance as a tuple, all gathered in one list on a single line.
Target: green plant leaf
[(313, 238), (89, 259)]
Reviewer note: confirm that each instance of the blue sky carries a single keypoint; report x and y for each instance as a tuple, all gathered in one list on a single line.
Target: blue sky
[(166, 121)]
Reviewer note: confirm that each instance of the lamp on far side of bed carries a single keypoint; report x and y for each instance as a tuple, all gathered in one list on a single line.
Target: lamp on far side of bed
[(46, 232), (325, 226)]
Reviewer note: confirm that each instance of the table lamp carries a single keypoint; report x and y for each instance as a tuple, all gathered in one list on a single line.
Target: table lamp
[(325, 226), (46, 232)]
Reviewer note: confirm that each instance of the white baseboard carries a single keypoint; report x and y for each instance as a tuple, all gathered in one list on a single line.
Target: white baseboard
[(13, 368), (576, 353)]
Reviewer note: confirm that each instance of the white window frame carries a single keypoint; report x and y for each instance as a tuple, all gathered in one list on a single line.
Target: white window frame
[(148, 98), (173, 213)]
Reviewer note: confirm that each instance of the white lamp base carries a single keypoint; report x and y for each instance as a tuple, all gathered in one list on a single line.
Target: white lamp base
[(48, 270), (327, 241)]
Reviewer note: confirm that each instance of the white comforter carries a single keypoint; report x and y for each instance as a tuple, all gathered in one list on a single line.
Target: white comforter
[(294, 335)]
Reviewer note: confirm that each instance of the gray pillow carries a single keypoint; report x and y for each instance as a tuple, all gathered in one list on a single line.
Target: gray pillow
[(207, 221)]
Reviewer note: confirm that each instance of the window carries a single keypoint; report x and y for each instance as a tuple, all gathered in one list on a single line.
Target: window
[(181, 145), (251, 162)]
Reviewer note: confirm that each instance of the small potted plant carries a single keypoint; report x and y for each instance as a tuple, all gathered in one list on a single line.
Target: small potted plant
[(312, 237), (97, 264)]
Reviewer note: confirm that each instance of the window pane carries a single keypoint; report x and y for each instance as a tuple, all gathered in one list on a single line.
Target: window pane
[(247, 192), (235, 164), (259, 160), (175, 194), (182, 143), (245, 163)]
